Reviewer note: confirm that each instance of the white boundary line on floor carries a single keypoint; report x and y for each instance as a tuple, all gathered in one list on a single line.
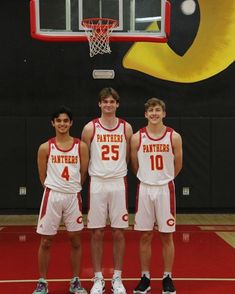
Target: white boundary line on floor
[(124, 279)]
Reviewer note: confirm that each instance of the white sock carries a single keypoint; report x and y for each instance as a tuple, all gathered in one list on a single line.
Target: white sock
[(99, 275), (167, 274), (146, 273), (117, 274)]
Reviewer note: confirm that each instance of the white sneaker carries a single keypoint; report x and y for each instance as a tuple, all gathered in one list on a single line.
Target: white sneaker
[(117, 286), (98, 286)]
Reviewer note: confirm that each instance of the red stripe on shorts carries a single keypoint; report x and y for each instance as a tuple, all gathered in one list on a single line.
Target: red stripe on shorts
[(45, 201), (126, 191), (172, 197), (89, 193)]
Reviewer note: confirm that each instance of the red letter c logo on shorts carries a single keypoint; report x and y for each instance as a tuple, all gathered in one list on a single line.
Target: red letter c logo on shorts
[(125, 217), (170, 222), (79, 220)]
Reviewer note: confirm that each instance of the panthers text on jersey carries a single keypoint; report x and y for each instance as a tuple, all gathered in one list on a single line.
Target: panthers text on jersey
[(108, 151), (156, 158), (63, 168)]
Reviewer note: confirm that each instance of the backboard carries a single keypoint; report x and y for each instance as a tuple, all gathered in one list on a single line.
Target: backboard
[(61, 20)]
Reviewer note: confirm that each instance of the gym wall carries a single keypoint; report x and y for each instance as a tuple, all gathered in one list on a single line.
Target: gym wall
[(36, 77)]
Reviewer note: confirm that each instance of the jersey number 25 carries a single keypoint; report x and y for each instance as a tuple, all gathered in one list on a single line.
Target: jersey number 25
[(110, 152)]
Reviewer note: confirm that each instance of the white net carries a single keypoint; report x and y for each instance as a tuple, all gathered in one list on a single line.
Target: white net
[(98, 31)]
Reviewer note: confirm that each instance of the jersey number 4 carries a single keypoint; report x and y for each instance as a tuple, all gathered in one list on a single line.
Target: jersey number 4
[(65, 173), (156, 162), (110, 152)]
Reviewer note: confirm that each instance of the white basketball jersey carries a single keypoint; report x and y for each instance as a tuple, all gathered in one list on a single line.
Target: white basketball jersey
[(63, 168), (156, 158), (108, 151)]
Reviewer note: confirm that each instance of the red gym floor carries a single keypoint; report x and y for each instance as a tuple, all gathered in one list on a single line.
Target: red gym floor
[(204, 263)]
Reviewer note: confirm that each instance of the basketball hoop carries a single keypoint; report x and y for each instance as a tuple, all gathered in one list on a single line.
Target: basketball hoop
[(98, 31)]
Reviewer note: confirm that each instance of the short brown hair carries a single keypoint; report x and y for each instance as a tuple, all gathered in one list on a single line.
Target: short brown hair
[(153, 102), (106, 92)]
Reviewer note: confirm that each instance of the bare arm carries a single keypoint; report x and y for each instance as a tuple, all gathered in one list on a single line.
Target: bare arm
[(178, 152), (42, 161), (87, 133), (135, 140), (129, 133), (84, 160)]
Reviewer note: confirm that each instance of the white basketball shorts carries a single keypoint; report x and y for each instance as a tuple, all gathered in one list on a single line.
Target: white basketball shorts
[(56, 206), (108, 198), (155, 205)]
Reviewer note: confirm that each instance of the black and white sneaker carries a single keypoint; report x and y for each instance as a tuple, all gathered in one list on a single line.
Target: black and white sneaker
[(143, 287), (168, 286)]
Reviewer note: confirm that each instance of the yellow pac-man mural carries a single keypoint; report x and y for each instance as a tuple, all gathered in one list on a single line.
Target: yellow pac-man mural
[(212, 50)]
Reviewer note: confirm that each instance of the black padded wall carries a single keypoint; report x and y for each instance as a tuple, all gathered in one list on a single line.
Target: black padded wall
[(13, 169), (222, 163), (196, 173)]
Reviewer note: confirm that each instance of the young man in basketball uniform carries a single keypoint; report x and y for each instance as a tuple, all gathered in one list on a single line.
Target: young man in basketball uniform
[(156, 158), (62, 165), (108, 139)]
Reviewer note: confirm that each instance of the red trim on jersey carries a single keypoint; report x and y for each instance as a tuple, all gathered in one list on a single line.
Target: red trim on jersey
[(168, 129), (78, 141), (45, 201), (140, 138), (171, 134), (124, 123), (96, 120), (49, 146), (93, 122), (154, 139), (172, 197), (110, 130), (53, 140)]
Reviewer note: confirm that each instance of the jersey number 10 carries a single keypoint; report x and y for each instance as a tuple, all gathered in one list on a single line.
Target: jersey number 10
[(156, 162)]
